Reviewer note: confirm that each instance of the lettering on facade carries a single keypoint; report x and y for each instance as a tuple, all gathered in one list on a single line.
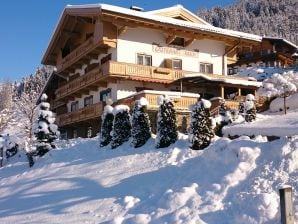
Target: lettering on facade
[(174, 51)]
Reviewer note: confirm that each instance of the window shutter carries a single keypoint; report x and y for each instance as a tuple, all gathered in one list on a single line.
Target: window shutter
[(168, 63)]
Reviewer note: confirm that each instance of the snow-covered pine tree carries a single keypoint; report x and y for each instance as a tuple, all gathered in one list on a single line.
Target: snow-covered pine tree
[(11, 146), (140, 131), (121, 126), (107, 119), (250, 109), (201, 131), (44, 129), (223, 118), (166, 123), (8, 148), (241, 108)]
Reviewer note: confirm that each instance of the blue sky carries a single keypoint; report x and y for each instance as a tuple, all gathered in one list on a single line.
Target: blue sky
[(27, 25)]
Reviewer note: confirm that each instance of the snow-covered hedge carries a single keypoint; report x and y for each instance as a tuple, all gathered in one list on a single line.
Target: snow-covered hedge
[(278, 84)]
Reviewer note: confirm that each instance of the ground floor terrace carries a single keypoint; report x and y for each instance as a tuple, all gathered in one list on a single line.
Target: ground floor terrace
[(86, 122)]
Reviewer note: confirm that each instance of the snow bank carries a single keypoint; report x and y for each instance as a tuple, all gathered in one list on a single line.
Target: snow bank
[(278, 103), (231, 181), (266, 125)]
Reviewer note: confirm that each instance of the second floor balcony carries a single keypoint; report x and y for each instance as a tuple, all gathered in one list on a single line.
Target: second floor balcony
[(100, 75)]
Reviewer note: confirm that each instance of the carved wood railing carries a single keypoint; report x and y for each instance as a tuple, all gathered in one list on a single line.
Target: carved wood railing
[(89, 112)]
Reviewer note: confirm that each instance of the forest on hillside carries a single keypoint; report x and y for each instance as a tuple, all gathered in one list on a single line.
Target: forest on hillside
[(275, 18)]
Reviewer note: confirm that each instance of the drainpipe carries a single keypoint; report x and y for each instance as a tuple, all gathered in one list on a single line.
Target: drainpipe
[(225, 54)]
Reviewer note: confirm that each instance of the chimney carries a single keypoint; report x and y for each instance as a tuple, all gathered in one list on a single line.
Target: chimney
[(136, 8)]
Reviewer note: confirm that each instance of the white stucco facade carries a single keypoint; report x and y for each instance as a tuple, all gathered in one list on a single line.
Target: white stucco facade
[(143, 41), (153, 42)]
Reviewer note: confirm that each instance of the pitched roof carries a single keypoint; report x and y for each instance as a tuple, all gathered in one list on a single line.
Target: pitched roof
[(179, 11), (282, 40), (194, 22)]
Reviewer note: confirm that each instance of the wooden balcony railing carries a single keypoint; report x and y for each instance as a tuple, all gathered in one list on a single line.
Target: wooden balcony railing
[(155, 74), (92, 111), (79, 84), (82, 52), (181, 101), (112, 68)]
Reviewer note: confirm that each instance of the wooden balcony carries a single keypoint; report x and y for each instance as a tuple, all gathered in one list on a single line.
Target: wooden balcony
[(143, 73), (182, 101), (257, 56), (83, 53), (86, 113), (80, 84), (112, 69)]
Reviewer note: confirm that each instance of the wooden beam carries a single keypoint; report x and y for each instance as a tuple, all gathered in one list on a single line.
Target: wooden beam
[(170, 39), (189, 42), (122, 30)]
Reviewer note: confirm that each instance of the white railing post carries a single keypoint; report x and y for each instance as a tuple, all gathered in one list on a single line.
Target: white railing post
[(286, 205)]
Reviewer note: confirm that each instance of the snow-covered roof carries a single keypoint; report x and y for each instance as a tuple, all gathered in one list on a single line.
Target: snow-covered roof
[(168, 93), (177, 8), (167, 20), (224, 79), (281, 39)]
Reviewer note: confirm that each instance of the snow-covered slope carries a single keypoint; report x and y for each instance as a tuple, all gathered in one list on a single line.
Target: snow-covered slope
[(270, 124), (260, 73), (232, 181)]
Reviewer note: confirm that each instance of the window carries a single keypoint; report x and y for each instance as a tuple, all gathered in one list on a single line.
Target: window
[(177, 64), (89, 132), (248, 55), (143, 59), (74, 106), (88, 101), (206, 68), (75, 133), (105, 94), (265, 52), (178, 41)]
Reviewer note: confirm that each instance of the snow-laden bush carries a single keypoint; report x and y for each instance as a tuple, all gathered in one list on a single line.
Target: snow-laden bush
[(223, 118), (8, 148), (278, 84), (250, 108), (201, 131), (166, 123), (140, 123), (44, 129), (121, 126), (107, 119)]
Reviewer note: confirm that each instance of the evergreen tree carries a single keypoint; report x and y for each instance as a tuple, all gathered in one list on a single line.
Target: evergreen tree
[(241, 108), (121, 126), (44, 129), (222, 119), (201, 131), (250, 109), (166, 123), (140, 123), (106, 126), (11, 146)]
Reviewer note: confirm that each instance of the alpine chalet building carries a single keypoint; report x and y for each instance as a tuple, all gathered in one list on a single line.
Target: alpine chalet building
[(105, 52)]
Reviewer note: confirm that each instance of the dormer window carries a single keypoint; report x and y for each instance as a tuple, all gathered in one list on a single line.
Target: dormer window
[(178, 41)]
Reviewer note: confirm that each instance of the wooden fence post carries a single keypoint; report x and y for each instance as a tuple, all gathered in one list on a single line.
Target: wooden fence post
[(286, 205)]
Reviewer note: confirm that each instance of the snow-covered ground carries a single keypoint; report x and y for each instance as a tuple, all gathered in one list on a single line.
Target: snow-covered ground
[(268, 124), (260, 72), (232, 181)]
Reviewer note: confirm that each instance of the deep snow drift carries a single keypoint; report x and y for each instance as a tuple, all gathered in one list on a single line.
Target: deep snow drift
[(231, 181)]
